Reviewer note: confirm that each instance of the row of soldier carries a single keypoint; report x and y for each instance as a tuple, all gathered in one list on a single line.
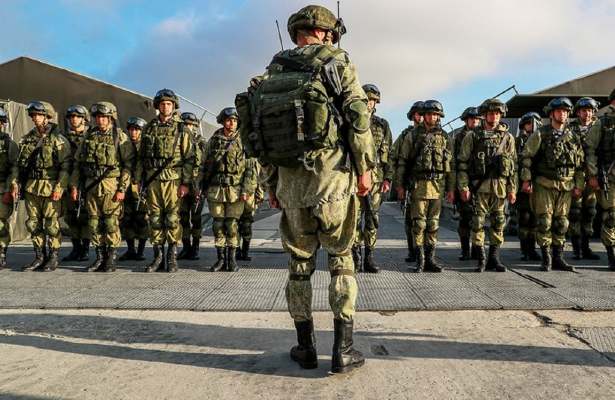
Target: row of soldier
[(149, 182)]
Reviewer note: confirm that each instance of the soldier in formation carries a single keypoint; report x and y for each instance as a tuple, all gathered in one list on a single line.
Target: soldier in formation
[(249, 210), (8, 185)]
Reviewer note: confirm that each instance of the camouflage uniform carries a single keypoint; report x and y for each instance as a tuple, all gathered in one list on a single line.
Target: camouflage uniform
[(250, 207), (8, 184), (552, 160), (44, 173), (104, 162)]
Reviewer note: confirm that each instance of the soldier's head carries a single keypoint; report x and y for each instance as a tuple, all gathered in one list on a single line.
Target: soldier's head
[(190, 121), (77, 116), (166, 101), (4, 118), (105, 114), (471, 117), (135, 126), (41, 113), (415, 114), (559, 110), (585, 108), (229, 119), (373, 96), (529, 122), (492, 111), (432, 112), (315, 24)]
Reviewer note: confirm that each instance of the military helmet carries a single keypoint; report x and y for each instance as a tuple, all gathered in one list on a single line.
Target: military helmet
[(310, 17), (527, 117), (493, 105), (612, 96), (136, 122), (4, 118), (372, 92), (470, 112), (226, 113), (79, 110), (165, 94), (557, 103), (104, 108), (189, 118), (586, 102), (417, 107), (433, 106), (41, 107)]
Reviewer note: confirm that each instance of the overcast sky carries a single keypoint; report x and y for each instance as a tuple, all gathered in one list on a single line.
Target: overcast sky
[(459, 52)]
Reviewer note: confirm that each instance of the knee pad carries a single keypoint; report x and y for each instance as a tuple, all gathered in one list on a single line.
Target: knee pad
[(560, 225), (111, 225), (155, 221), (93, 224), (478, 222), (608, 218), (218, 226), (575, 214), (418, 225), (51, 226), (230, 225), (172, 221), (543, 225), (499, 221)]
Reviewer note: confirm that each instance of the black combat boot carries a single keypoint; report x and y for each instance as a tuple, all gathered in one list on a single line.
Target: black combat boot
[(558, 260), (368, 261), (547, 263), (523, 244), (162, 267), (3, 258), (420, 259), (157, 261), (51, 264), (186, 248), (474, 252), (411, 252), (75, 253), (99, 263), (130, 252), (465, 248), (480, 252), (531, 249), (586, 251), (494, 259), (140, 249), (344, 357), (304, 353), (110, 259), (39, 259), (356, 258), (172, 257), (85, 250), (430, 259), (231, 262), (220, 263), (610, 252), (245, 250), (194, 252), (576, 247)]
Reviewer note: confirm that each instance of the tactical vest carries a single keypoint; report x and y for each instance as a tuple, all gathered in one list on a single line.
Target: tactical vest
[(606, 149), (5, 143), (291, 112), (45, 163), (74, 139), (378, 128), (558, 157), (158, 144), (520, 142), (101, 153), (226, 159), (485, 162), (430, 158), (458, 138)]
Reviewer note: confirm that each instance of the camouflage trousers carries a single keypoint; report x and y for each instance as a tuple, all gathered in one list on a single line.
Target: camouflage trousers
[(190, 216), (526, 220), (607, 234), (134, 223), (551, 208), (367, 223), (163, 212), (225, 226), (43, 220), (488, 204), (425, 221), (78, 226), (582, 214), (408, 221), (6, 210), (104, 219), (331, 225), (465, 218), (247, 218)]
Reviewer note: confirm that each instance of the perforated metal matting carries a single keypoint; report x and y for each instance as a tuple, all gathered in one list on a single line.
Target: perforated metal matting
[(601, 339)]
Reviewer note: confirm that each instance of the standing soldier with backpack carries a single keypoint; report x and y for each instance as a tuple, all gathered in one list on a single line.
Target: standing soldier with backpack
[(367, 224), (308, 118), (104, 163), (8, 185)]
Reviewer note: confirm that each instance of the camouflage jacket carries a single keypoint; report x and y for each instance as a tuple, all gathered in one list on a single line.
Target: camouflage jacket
[(456, 137), (383, 142), (394, 155), (9, 151), (600, 146)]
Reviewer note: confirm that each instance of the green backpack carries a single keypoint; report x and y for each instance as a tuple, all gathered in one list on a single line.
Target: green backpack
[(291, 111)]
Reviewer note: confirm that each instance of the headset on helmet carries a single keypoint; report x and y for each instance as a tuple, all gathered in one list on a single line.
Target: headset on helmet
[(311, 17), (433, 106), (557, 103), (493, 105), (470, 112), (41, 107), (226, 113), (586, 102), (104, 108), (166, 95), (79, 110)]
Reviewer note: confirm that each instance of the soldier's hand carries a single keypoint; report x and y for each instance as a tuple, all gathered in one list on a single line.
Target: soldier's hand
[(119, 196), (465, 195), (55, 196), (182, 191), (512, 198), (577, 193), (245, 197), (364, 184), (7, 198), (386, 186), (593, 183), (273, 200), (401, 193), (450, 197), (526, 187), (15, 194), (74, 194)]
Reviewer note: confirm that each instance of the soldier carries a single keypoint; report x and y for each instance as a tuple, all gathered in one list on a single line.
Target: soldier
[(134, 224), (415, 115), (526, 220), (77, 120), (487, 163), (165, 168), (250, 207), (552, 172), (192, 205), (44, 163), (316, 159), (104, 163), (471, 119), (583, 210), (600, 153), (8, 185), (424, 160), (229, 181), (367, 231)]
